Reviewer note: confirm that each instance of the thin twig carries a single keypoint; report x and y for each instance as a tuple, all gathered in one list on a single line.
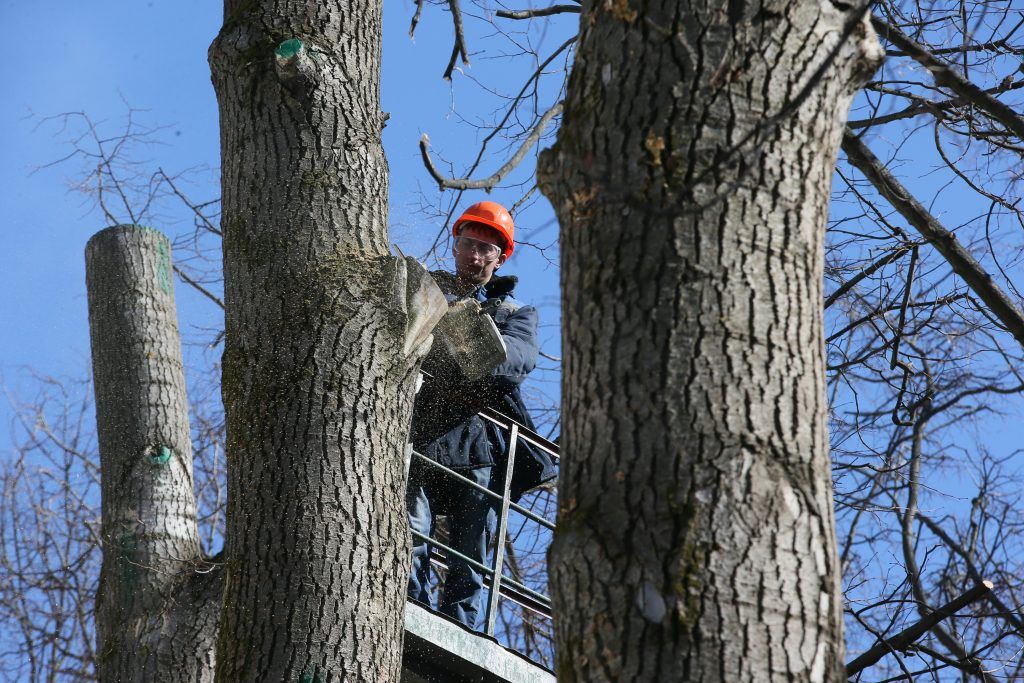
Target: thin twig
[(202, 290), (195, 209), (522, 200)]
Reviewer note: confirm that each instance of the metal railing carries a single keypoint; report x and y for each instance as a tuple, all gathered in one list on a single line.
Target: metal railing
[(499, 586)]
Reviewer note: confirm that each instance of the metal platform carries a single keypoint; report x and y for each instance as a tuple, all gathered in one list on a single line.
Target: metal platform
[(441, 650)]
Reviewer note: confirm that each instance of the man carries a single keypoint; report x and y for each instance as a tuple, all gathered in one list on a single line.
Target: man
[(447, 430)]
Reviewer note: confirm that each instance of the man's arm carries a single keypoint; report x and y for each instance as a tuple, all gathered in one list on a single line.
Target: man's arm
[(446, 399), (519, 332)]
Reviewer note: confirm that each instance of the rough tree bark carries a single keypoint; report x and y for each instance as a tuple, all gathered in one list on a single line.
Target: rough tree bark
[(324, 333), (157, 605), (691, 179)]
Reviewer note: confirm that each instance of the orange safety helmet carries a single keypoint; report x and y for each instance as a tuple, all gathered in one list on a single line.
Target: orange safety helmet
[(493, 215)]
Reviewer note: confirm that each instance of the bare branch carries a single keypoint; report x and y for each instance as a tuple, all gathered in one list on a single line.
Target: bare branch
[(490, 182), (416, 17), (945, 76), (459, 49), (944, 241), (908, 635), (540, 12), (885, 260), (1011, 615), (907, 289), (927, 106)]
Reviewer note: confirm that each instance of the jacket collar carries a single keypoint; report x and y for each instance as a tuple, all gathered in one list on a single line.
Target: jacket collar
[(500, 286)]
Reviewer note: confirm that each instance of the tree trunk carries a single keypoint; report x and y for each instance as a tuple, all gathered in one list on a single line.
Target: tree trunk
[(691, 178), (324, 333), (156, 609)]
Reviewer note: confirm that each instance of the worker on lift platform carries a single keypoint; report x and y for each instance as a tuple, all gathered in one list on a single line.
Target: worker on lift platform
[(446, 427)]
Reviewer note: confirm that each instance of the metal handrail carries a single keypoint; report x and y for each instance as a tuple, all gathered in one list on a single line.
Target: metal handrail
[(530, 514), (508, 591), (500, 586), (484, 569)]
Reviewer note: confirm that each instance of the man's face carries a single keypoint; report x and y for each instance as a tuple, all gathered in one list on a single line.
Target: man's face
[(478, 253)]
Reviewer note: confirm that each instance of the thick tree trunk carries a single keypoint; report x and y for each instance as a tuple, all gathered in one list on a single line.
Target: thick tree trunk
[(324, 332), (691, 178), (157, 606)]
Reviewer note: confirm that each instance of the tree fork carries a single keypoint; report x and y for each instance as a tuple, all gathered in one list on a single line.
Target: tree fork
[(691, 178), (157, 605), (324, 331)]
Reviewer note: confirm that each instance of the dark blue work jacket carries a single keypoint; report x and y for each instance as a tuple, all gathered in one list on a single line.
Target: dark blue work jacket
[(445, 425)]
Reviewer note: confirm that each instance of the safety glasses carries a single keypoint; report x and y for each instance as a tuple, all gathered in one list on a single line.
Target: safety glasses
[(487, 251)]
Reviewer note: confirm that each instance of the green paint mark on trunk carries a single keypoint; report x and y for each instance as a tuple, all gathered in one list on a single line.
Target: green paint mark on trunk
[(289, 48), (163, 267), (161, 455)]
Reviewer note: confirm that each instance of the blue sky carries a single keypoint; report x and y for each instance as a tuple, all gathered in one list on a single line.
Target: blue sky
[(96, 57), (101, 57)]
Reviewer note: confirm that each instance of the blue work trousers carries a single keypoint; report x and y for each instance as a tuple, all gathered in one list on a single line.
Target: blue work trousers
[(471, 523)]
